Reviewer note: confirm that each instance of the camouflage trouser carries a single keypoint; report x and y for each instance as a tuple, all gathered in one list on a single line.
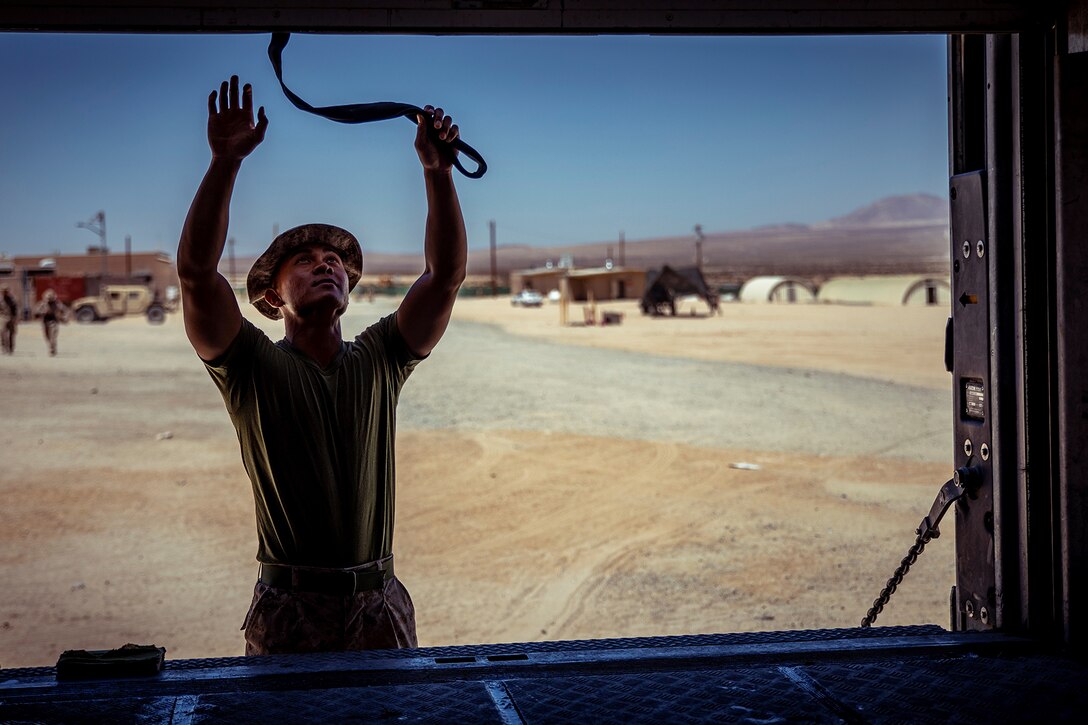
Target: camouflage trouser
[(281, 621), (8, 328), (51, 328)]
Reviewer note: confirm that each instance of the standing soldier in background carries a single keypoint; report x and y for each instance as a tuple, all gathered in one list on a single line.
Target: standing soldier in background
[(53, 312), (315, 414), (9, 321)]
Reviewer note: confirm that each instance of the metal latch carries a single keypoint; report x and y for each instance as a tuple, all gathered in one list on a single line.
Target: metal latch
[(965, 480)]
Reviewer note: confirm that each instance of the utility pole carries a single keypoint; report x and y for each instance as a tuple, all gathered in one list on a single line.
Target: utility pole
[(494, 274), (97, 224), (623, 255), (699, 247), (128, 257), (230, 259)]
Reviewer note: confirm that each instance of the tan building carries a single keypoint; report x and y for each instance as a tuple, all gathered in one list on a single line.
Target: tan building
[(155, 269), (603, 283), (542, 280)]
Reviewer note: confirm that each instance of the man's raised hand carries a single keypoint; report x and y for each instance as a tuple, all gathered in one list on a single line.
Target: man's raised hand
[(231, 131), (434, 140)]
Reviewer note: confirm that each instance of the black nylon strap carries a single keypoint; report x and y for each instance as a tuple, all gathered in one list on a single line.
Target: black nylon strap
[(364, 112)]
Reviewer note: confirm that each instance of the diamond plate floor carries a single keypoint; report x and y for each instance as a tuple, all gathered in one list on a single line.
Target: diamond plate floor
[(887, 674)]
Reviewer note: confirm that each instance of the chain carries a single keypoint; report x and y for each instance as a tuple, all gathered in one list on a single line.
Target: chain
[(897, 578), (963, 480)]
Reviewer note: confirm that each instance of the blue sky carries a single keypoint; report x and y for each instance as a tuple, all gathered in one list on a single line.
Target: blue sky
[(584, 136)]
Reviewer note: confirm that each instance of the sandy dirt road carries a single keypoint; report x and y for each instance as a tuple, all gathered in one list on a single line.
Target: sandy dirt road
[(546, 490), (904, 345)]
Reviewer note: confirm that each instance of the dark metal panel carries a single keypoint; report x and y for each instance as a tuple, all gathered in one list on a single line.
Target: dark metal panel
[(1071, 142), (1005, 414), (503, 652), (966, 99), (1036, 610), (490, 662), (892, 674), (987, 417), (756, 695), (447, 702), (972, 396), (523, 16), (1002, 120), (385, 17), (961, 689), (454, 702), (118, 710)]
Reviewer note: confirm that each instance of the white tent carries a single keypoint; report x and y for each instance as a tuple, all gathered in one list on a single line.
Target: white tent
[(776, 289), (899, 289), (928, 291)]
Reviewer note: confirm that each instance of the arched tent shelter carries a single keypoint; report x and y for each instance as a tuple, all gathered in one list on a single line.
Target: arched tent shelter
[(884, 290), (928, 291), (667, 284), (776, 289)]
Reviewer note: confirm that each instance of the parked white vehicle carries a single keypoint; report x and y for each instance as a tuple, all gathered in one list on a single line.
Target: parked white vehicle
[(527, 298)]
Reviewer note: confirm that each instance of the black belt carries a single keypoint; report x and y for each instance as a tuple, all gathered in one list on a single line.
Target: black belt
[(365, 112), (345, 582)]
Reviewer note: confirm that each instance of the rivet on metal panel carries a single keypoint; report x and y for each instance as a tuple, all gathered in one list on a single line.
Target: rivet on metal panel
[(970, 609), (968, 449), (966, 249), (984, 451), (980, 249)]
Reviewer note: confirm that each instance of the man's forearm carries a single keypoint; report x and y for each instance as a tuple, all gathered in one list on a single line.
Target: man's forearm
[(445, 245), (205, 232), (425, 311)]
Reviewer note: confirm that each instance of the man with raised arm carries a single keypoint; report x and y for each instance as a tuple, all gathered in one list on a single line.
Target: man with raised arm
[(315, 415)]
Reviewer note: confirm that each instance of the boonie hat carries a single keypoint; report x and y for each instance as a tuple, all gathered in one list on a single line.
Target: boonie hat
[(263, 272)]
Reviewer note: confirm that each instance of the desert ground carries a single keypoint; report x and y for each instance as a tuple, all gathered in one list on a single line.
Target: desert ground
[(553, 482)]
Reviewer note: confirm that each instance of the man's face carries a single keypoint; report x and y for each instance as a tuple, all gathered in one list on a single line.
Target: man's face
[(311, 277)]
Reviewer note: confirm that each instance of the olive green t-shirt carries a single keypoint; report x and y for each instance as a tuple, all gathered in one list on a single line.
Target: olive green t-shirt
[(318, 444)]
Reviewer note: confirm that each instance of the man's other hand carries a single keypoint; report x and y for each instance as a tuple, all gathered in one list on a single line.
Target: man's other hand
[(434, 140), (231, 131)]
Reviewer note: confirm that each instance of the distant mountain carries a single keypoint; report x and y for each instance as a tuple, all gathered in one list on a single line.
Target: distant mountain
[(897, 234), (790, 227), (910, 208)]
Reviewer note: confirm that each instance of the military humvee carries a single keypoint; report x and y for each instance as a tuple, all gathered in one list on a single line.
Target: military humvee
[(119, 300)]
